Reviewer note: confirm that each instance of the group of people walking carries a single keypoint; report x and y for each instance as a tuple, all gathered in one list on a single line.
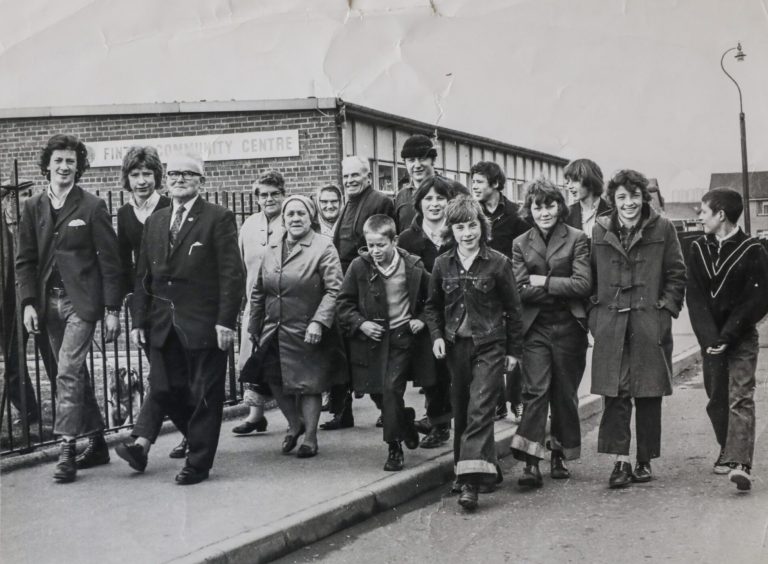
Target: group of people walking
[(479, 301)]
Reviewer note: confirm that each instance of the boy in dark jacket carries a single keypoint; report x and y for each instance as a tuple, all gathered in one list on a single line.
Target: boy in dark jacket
[(727, 297), (474, 319), (381, 309)]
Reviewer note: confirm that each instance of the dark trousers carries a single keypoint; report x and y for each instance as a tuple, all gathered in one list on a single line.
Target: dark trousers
[(149, 421), (189, 388), (340, 400), (393, 413), (554, 357), (437, 398), (729, 379), (476, 373), (511, 388), (615, 435)]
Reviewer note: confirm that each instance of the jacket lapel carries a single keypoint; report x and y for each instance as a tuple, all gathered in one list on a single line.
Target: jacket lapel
[(537, 243), (557, 240), (413, 277), (187, 225), (610, 236), (305, 241), (70, 206)]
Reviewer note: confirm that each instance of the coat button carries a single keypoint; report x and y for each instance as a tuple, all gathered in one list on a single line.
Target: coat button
[(170, 283)]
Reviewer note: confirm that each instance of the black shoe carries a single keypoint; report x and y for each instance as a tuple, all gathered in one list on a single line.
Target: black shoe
[(380, 422), (501, 413), (180, 450), (95, 454), (741, 475), (423, 425), (290, 441), (190, 475), (468, 497), (338, 422), (306, 451), (411, 438), (486, 488), (395, 459), (66, 467), (437, 437), (133, 454), (531, 477), (456, 487), (621, 476), (642, 472), (557, 468), (246, 426)]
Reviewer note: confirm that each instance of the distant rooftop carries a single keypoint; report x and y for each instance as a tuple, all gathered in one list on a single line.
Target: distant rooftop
[(758, 183)]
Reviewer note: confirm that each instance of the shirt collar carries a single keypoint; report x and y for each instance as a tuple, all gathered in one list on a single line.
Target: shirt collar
[(187, 205), (148, 205), (435, 236), (57, 202), (390, 270), (721, 240)]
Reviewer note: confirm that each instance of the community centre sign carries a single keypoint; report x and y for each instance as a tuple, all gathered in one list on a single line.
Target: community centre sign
[(223, 147)]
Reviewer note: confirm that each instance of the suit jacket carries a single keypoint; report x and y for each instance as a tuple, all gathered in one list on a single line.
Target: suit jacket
[(84, 246), (506, 227), (371, 203), (564, 260), (129, 232), (574, 215), (194, 286)]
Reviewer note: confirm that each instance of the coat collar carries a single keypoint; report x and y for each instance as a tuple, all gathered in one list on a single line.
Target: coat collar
[(71, 204), (610, 223), (556, 240)]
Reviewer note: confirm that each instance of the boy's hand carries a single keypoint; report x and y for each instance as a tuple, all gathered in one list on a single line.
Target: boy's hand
[(438, 349), (537, 280), (510, 363), (720, 349), (372, 330), (313, 333), (416, 325)]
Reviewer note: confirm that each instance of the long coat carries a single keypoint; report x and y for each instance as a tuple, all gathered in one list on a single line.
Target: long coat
[(255, 235), (565, 260), (287, 296), (639, 290), (363, 298)]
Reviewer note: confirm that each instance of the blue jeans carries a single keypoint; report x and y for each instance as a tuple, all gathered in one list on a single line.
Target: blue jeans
[(77, 412)]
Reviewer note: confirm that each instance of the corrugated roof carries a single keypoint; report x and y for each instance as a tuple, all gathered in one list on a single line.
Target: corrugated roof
[(758, 183)]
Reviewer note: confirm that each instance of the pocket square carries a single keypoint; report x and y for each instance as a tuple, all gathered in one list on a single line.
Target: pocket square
[(76, 223), (193, 245)]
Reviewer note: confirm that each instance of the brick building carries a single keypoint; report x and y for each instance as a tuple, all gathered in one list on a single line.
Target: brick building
[(304, 138)]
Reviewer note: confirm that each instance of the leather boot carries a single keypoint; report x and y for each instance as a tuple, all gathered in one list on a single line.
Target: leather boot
[(66, 468), (95, 454)]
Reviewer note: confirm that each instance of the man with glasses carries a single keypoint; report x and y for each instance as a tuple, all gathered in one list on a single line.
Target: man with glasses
[(189, 287), (69, 277), (257, 232)]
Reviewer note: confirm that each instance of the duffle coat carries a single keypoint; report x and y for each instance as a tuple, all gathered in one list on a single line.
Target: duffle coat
[(363, 298), (637, 290), (287, 296)]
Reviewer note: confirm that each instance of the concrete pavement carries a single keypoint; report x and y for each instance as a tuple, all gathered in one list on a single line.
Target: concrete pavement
[(257, 505)]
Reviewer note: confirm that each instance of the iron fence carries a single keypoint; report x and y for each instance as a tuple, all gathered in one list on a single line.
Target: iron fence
[(118, 371)]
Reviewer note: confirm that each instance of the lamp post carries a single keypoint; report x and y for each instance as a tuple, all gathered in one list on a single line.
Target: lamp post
[(739, 56)]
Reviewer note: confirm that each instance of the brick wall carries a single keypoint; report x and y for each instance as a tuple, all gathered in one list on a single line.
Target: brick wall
[(317, 164)]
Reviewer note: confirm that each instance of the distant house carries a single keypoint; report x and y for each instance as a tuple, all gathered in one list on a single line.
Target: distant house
[(758, 196)]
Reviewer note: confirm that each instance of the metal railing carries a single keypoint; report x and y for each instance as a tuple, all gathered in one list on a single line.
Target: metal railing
[(118, 370)]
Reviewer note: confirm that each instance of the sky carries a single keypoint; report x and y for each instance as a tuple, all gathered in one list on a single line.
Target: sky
[(629, 84)]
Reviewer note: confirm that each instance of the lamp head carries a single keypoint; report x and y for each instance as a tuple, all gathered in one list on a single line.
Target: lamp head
[(739, 53)]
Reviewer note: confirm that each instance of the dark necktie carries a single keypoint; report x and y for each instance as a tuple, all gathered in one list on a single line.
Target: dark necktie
[(176, 226)]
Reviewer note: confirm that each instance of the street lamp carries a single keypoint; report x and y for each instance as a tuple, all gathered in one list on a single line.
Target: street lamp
[(739, 56)]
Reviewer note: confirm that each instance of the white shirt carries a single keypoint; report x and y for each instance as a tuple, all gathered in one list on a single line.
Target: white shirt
[(143, 211), (466, 261), (390, 270), (57, 202), (588, 217), (435, 236), (721, 240), (187, 206)]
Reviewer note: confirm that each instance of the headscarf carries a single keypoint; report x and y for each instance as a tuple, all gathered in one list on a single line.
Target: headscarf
[(309, 205)]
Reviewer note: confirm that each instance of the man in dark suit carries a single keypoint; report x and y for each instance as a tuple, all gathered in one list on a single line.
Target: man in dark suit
[(189, 286), (69, 277), (362, 201)]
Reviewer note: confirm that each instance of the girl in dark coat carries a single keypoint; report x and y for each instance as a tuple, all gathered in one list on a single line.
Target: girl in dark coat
[(639, 281)]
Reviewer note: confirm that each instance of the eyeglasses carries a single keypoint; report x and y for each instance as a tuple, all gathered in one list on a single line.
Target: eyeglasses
[(268, 195), (185, 174)]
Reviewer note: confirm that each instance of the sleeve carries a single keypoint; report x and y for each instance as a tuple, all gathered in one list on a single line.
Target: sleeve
[(753, 304), (143, 282), (26, 257), (108, 256), (420, 309), (703, 323), (126, 253), (388, 208), (435, 306), (528, 293), (230, 270), (579, 283), (330, 272), (673, 269), (512, 313), (258, 300), (348, 302)]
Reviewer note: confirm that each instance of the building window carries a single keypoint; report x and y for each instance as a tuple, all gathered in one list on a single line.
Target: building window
[(763, 208)]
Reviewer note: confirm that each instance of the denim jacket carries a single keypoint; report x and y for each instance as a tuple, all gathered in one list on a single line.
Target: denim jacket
[(488, 294)]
